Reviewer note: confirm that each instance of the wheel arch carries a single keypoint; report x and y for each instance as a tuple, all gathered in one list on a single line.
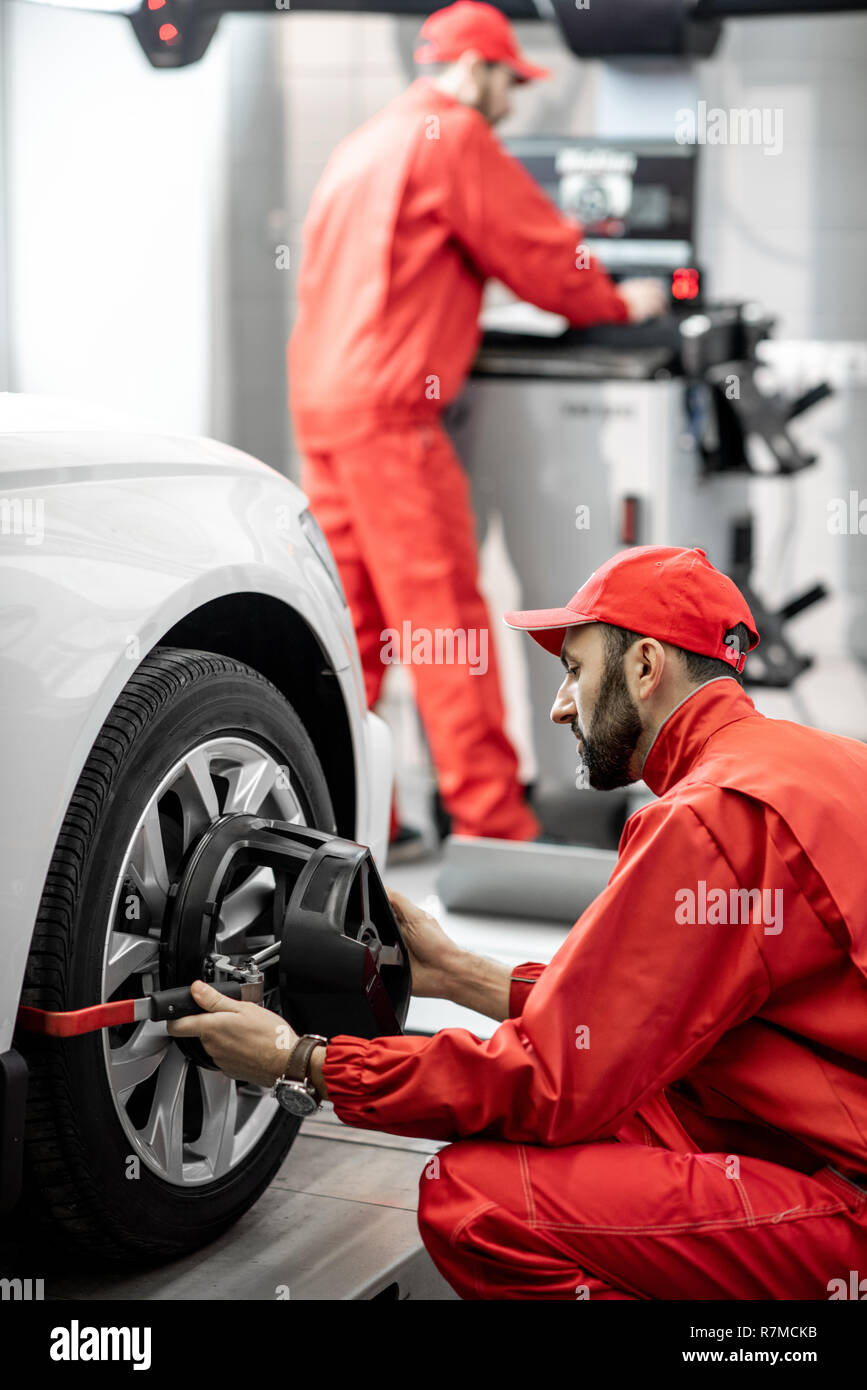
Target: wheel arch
[(275, 640)]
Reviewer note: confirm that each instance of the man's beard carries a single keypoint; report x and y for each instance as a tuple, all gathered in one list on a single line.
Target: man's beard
[(484, 107), (607, 748)]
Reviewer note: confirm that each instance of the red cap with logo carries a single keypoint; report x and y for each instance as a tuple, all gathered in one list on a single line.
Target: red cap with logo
[(661, 591), (469, 24)]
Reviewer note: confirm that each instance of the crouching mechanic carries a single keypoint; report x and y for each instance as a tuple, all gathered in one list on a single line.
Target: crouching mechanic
[(676, 1106)]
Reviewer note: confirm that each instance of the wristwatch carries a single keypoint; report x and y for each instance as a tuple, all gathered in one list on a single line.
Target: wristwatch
[(294, 1089)]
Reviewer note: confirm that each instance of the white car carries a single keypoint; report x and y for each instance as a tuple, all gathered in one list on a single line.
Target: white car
[(174, 644)]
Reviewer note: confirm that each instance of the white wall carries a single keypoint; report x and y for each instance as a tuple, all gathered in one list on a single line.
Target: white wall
[(113, 179)]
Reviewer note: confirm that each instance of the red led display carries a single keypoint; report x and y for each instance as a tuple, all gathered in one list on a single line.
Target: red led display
[(684, 283)]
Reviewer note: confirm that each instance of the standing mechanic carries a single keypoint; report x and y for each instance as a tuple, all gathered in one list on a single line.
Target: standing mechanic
[(414, 211), (676, 1106)]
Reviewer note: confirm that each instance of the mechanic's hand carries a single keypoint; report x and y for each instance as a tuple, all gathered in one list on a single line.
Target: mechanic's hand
[(247, 1042), (645, 298), (433, 955)]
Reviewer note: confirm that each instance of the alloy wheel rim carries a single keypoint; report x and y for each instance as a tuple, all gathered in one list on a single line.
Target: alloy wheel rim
[(188, 1124)]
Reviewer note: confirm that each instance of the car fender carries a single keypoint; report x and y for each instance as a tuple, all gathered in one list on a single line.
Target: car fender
[(117, 559)]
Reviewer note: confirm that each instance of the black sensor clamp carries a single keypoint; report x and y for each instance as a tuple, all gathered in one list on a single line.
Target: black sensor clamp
[(335, 961)]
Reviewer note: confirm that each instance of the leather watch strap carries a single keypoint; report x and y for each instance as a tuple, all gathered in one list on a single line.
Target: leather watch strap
[(299, 1058)]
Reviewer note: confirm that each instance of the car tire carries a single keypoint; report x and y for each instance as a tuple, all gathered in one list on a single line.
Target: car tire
[(81, 1145)]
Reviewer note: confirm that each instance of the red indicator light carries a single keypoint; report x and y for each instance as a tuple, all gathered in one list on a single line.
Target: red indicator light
[(684, 283), (167, 32), (156, 4)]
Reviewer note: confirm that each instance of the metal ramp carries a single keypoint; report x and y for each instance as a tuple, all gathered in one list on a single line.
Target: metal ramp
[(517, 878)]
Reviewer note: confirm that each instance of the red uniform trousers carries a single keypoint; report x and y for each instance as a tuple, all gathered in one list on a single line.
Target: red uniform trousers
[(396, 511), (642, 1216)]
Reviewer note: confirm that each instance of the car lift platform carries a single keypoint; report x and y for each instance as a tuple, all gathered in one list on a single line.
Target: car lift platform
[(337, 1223)]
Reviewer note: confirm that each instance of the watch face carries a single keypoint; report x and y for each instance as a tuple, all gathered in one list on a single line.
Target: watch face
[(296, 1098)]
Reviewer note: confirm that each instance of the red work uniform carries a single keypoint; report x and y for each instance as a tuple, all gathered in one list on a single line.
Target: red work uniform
[(675, 1109), (413, 212)]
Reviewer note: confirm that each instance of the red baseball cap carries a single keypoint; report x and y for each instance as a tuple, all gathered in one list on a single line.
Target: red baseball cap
[(469, 24), (661, 591)]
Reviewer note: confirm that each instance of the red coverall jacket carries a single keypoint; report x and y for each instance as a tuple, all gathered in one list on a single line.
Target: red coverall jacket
[(413, 212), (758, 1035)]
